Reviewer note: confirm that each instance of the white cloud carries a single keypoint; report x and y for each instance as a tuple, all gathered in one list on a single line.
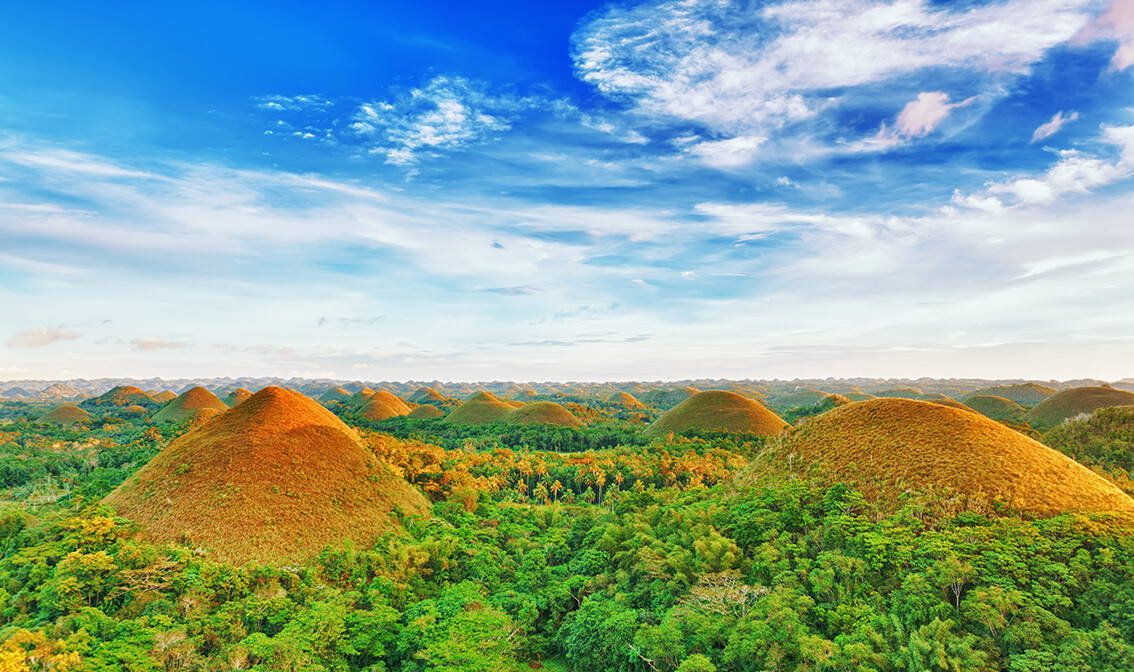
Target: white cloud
[(156, 344), (730, 153), (734, 68), (1117, 23), (1052, 127), (41, 336), (920, 117), (446, 114)]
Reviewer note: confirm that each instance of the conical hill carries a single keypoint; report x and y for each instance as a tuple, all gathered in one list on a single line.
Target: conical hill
[(335, 394), (543, 413), (377, 409), (626, 400), (885, 447), (1069, 403), (479, 409), (1025, 394), (424, 395), (237, 397), (997, 408), (274, 480), (187, 403), (798, 399), (717, 410), (67, 414), (392, 401), (426, 412), (123, 395)]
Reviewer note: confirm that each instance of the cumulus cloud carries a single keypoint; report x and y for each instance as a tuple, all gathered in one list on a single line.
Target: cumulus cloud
[(1051, 127), (446, 114), (41, 336), (156, 344)]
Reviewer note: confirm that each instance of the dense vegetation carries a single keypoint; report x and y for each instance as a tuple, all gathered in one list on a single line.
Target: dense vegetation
[(662, 566)]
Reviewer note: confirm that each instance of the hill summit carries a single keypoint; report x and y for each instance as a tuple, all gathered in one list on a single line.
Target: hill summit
[(717, 410), (887, 446), (275, 479), (1069, 403), (188, 403)]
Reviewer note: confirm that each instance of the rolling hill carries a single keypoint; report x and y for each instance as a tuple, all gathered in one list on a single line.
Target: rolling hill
[(717, 410)]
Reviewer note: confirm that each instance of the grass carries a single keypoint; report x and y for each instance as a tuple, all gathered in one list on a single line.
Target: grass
[(888, 447), (786, 402), (717, 410), (424, 395), (335, 394), (626, 400), (1025, 394), (543, 412), (237, 397), (274, 480), (1000, 409), (188, 403), (377, 409), (67, 414), (479, 409), (123, 395), (667, 398), (1070, 403), (392, 401), (426, 412)]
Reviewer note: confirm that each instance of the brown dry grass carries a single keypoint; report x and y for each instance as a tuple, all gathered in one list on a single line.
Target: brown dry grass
[(1025, 394), (717, 410), (237, 397), (274, 480), (626, 400), (67, 414), (424, 395), (480, 409), (335, 394), (123, 395), (1069, 403), (997, 408), (543, 412), (377, 409), (887, 446), (185, 405), (392, 401), (786, 402), (359, 399), (165, 396)]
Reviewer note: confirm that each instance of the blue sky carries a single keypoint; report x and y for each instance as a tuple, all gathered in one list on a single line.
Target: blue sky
[(567, 191)]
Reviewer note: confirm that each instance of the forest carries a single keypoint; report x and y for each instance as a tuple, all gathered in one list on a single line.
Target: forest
[(587, 549)]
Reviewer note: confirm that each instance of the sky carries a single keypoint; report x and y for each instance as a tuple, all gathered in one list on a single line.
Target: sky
[(568, 191)]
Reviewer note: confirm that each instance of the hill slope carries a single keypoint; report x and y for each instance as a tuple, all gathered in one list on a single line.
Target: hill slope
[(67, 414), (479, 409), (188, 403), (1025, 394), (275, 479), (885, 446), (717, 410), (545, 413), (1069, 403), (1000, 409)]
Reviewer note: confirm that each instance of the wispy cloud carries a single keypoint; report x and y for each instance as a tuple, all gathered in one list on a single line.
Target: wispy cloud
[(1051, 127), (142, 343), (41, 336)]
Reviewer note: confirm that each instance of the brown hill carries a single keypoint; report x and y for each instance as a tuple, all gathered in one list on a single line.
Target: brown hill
[(951, 403), (377, 409), (900, 393), (667, 398), (274, 480), (123, 395), (359, 399), (335, 394), (426, 412), (164, 397), (424, 395), (786, 402), (1025, 394), (885, 447), (67, 414), (514, 403), (237, 397), (626, 400), (187, 403), (392, 401), (997, 408), (1069, 403), (717, 410), (543, 412), (480, 409)]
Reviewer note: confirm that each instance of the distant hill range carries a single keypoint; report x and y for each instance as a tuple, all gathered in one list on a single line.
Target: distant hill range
[(662, 395)]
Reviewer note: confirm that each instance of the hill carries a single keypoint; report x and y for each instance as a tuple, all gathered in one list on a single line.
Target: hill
[(1025, 394), (335, 395), (67, 414), (479, 409), (424, 395), (1069, 403), (377, 409), (626, 400), (237, 397), (426, 412), (999, 409), (717, 410), (900, 393), (164, 397), (786, 402), (885, 447), (543, 413), (274, 480), (392, 401), (123, 395), (187, 403), (359, 399), (667, 398)]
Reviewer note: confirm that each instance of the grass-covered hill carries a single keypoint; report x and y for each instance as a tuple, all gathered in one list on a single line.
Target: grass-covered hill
[(275, 479), (1025, 394), (1000, 409), (479, 409), (885, 447), (717, 410), (237, 397), (626, 400), (543, 413), (1070, 403), (426, 412), (188, 403), (123, 395), (67, 414)]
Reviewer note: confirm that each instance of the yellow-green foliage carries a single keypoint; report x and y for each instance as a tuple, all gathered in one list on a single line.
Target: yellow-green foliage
[(1069, 403), (1025, 394), (885, 447), (717, 410), (424, 395), (1000, 409), (123, 395), (900, 393), (67, 414), (426, 412), (626, 400), (388, 398), (543, 412), (335, 394), (480, 409), (275, 480), (786, 402), (188, 403)]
